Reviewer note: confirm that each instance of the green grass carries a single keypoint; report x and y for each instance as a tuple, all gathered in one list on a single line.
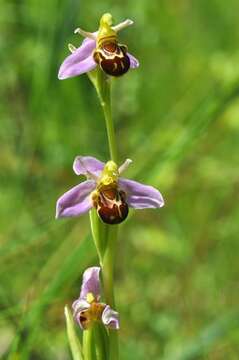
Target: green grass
[(177, 118)]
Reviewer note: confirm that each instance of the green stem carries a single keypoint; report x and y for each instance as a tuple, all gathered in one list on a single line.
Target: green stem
[(106, 106), (101, 342), (88, 344), (107, 264), (108, 260), (102, 83), (105, 240), (114, 344), (105, 236)]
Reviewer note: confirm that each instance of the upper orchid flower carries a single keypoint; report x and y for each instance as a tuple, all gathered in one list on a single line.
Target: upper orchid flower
[(88, 309), (99, 48), (105, 190)]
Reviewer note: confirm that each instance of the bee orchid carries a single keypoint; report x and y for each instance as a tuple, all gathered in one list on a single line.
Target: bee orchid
[(88, 308), (106, 191), (100, 48)]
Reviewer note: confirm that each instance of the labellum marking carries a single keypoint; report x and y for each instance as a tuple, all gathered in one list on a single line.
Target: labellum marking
[(112, 58), (110, 204), (84, 319)]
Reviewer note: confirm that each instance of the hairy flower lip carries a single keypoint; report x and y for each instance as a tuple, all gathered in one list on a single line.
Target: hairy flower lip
[(86, 312), (81, 60), (77, 201)]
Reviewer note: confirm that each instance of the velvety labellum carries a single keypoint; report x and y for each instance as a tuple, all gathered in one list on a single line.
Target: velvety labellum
[(111, 205), (112, 58)]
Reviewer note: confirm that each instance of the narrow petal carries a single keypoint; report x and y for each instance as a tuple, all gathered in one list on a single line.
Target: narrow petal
[(134, 63), (140, 196), (76, 201), (125, 166), (110, 318), (122, 25), (91, 283), (79, 62), (84, 165), (86, 34)]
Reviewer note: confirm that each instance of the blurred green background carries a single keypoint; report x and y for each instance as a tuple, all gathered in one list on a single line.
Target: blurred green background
[(177, 117)]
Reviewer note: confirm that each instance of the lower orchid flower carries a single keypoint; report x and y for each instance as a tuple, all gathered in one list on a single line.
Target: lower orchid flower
[(88, 309), (99, 48), (106, 191)]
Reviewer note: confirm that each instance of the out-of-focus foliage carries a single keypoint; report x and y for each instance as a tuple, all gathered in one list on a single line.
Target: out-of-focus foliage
[(177, 117)]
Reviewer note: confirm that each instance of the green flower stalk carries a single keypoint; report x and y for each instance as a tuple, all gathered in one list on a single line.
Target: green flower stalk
[(104, 194)]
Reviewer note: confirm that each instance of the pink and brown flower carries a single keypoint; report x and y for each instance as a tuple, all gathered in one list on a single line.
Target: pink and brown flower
[(100, 48), (88, 309), (106, 191)]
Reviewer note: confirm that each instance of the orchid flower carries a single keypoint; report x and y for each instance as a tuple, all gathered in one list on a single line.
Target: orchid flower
[(107, 191), (99, 48), (88, 308)]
